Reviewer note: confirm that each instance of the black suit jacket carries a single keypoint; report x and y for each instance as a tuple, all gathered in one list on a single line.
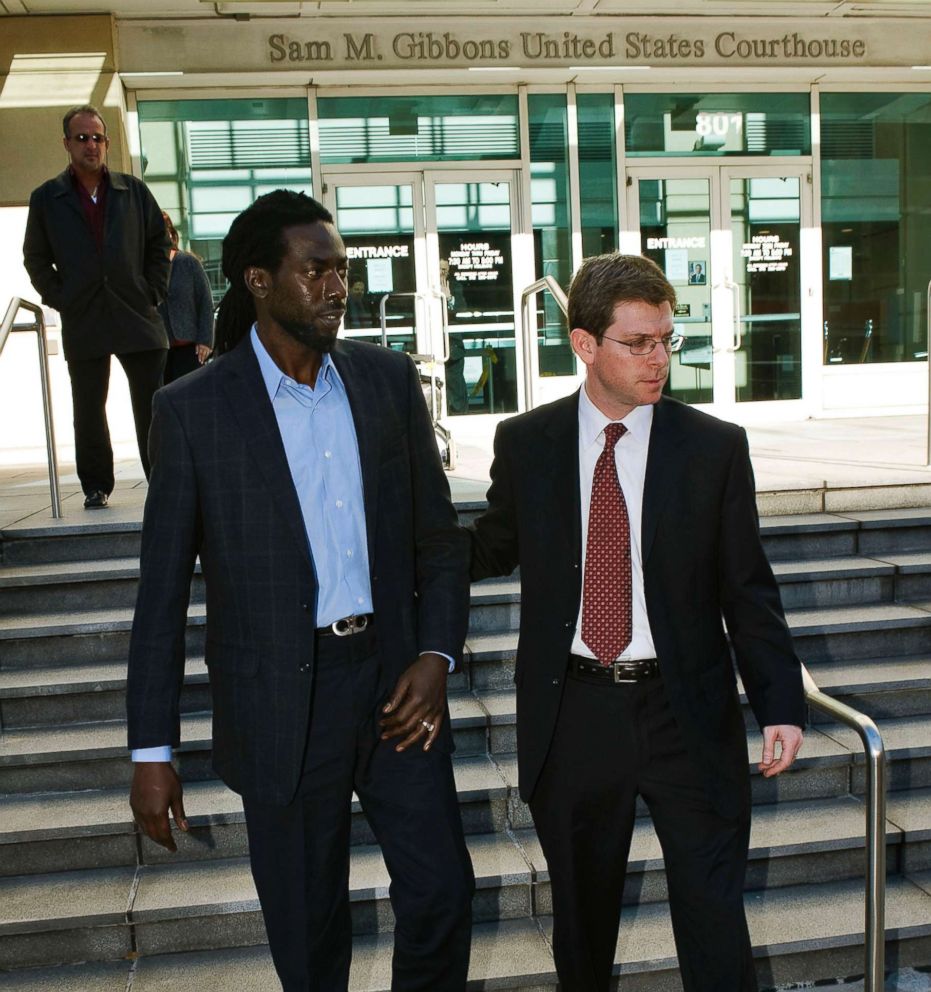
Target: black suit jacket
[(221, 486), (702, 561), (107, 300)]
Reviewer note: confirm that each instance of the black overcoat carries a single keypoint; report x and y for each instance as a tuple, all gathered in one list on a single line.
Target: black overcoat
[(107, 300)]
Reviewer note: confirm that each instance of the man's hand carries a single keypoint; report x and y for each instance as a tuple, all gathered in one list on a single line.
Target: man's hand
[(418, 704), (156, 789), (203, 352), (790, 740)]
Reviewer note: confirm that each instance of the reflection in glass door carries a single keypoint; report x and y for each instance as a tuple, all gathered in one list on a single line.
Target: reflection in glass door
[(378, 223), (729, 240), (675, 232), (765, 220), (469, 238)]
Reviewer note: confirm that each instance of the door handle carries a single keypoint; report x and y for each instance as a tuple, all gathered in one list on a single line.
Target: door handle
[(738, 329)]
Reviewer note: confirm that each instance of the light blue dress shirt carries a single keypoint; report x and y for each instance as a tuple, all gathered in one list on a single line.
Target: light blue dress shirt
[(319, 440), (322, 450)]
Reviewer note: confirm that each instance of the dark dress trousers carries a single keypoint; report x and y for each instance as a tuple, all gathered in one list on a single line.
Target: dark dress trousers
[(294, 714), (107, 300), (679, 741)]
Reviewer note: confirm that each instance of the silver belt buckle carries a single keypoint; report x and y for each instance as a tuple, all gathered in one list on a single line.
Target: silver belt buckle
[(616, 666), (349, 625)]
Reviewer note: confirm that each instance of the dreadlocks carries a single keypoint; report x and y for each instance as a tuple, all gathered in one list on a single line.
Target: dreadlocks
[(256, 238)]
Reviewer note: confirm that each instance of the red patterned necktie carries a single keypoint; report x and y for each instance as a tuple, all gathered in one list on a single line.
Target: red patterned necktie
[(606, 593)]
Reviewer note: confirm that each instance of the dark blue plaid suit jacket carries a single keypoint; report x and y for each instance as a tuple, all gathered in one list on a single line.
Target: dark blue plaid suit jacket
[(220, 487)]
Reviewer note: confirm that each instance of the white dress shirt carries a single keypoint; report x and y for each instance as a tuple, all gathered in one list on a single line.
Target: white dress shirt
[(630, 456)]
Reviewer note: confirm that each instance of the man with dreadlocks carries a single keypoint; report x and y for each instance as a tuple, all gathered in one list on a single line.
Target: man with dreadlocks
[(304, 472)]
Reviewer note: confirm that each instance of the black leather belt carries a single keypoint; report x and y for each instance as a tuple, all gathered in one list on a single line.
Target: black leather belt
[(617, 673), (347, 626)]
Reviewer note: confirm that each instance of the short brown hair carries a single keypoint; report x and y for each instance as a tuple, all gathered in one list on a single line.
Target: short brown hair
[(85, 108), (170, 229), (604, 281)]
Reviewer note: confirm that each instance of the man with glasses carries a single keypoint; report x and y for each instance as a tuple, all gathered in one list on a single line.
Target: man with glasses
[(97, 252), (633, 520)]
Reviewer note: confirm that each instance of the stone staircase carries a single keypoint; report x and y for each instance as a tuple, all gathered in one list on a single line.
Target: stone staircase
[(88, 904)]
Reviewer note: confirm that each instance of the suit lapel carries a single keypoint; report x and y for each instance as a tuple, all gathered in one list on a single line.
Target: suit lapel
[(255, 418), (364, 416), (562, 460), (665, 465)]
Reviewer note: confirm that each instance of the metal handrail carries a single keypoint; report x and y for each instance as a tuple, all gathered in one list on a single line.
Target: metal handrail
[(38, 325), (874, 938), (556, 291), (417, 295)]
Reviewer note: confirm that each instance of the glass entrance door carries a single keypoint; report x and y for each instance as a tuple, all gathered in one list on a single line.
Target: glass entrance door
[(382, 226), (432, 271), (730, 241), (471, 223)]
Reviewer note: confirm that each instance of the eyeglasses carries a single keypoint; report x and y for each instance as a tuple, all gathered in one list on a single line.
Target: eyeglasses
[(644, 345), (97, 138)]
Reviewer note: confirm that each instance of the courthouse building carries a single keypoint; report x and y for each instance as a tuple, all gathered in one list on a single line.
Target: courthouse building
[(773, 157)]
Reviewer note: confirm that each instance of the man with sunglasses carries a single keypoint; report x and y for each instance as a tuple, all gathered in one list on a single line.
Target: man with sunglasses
[(97, 252), (633, 520)]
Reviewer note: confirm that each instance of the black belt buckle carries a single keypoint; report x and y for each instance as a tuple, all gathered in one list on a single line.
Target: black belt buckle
[(348, 626)]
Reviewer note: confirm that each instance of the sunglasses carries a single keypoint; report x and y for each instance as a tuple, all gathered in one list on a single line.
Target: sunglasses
[(97, 138)]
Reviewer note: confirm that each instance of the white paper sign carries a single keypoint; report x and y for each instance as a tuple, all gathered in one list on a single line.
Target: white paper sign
[(840, 262), (378, 273), (677, 264)]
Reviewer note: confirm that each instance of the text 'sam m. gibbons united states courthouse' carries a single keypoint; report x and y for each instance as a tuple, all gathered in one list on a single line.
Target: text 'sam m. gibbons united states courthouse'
[(772, 157)]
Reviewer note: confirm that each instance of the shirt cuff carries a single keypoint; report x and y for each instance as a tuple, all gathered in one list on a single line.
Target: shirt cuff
[(452, 664), (152, 753)]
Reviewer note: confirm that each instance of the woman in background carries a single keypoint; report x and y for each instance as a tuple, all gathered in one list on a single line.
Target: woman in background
[(187, 311)]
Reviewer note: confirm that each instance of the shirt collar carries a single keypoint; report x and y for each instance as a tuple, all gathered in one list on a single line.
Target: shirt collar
[(104, 175), (273, 377), (592, 421)]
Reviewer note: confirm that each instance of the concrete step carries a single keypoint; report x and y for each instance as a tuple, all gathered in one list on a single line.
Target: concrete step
[(793, 843), (94, 755), (913, 575), (843, 581), (880, 687), (908, 751), (101, 634), (95, 636), (510, 954), (800, 934), (821, 635), (60, 831), (38, 539), (81, 586), (910, 811), (66, 587), (83, 693), (83, 915), (825, 769), (869, 533)]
